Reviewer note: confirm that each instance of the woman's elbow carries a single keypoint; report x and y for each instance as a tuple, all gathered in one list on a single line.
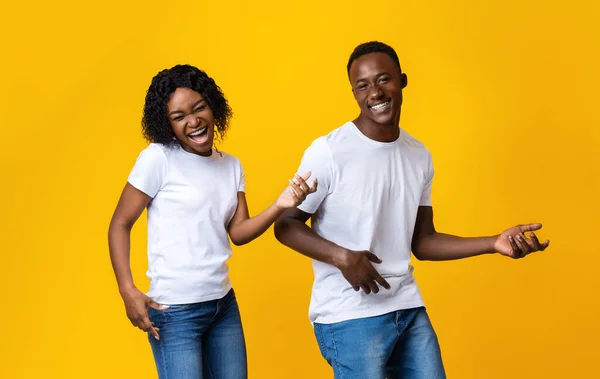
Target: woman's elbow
[(236, 239)]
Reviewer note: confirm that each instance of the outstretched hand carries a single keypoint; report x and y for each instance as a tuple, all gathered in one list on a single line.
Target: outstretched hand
[(296, 192), (514, 243)]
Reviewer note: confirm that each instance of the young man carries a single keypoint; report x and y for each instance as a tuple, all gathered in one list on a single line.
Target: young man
[(371, 209)]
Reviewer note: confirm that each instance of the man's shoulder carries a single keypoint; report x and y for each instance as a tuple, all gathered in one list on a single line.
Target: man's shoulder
[(340, 133), (333, 139), (413, 143), (324, 142)]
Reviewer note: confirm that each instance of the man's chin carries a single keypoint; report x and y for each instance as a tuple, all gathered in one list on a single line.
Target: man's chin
[(384, 121)]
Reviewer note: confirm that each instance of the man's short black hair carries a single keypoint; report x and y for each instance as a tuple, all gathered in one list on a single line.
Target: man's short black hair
[(372, 47)]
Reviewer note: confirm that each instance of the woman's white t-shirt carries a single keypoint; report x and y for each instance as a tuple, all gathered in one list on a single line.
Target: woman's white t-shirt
[(193, 200)]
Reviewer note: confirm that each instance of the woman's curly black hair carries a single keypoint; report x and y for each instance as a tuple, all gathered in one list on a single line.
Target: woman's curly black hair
[(155, 122)]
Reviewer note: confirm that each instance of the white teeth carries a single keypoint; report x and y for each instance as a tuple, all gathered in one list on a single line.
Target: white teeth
[(380, 106), (198, 132)]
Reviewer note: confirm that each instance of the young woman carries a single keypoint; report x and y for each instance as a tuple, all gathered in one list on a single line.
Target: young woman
[(196, 203)]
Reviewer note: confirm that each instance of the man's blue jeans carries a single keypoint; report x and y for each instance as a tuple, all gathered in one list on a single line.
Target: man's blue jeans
[(396, 345)]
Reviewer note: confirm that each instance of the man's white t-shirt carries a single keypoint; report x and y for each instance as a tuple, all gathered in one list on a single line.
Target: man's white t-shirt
[(193, 201), (368, 196)]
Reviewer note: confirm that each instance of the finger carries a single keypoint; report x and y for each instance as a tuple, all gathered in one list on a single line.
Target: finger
[(382, 282), (155, 305), (296, 188), (539, 246), (154, 332), (525, 247), (356, 288), (516, 250), (519, 246), (293, 193), (365, 288), (302, 183), (373, 286), (138, 321), (297, 198), (374, 258), (535, 242), (147, 326), (529, 227), (306, 175), (313, 188)]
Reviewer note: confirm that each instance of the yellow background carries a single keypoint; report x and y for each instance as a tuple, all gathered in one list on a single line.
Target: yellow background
[(504, 95)]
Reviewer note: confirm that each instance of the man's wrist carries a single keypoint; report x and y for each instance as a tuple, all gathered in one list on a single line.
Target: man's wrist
[(491, 244), (340, 257)]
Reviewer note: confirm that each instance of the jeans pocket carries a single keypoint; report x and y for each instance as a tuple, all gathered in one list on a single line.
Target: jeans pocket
[(156, 317)]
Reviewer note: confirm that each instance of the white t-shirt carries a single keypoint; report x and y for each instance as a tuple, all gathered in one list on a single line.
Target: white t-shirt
[(367, 199), (193, 200)]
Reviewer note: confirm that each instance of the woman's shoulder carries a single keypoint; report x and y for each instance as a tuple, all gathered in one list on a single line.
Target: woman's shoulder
[(155, 148)]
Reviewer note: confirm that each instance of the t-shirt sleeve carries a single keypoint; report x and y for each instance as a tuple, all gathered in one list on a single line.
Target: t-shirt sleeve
[(242, 176), (150, 170), (317, 159), (427, 187)]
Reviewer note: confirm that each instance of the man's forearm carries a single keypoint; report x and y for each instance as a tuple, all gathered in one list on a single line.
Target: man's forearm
[(298, 236), (445, 247)]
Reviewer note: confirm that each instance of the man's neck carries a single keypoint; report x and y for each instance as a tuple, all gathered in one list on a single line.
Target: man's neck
[(378, 132)]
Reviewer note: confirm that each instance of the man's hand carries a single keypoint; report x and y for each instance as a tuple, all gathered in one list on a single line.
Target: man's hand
[(359, 272), (136, 306), (513, 242)]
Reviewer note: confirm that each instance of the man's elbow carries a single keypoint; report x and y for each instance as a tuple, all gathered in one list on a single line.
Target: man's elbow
[(280, 227), (288, 227)]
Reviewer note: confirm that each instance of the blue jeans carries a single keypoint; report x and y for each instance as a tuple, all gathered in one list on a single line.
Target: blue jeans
[(200, 341), (396, 345)]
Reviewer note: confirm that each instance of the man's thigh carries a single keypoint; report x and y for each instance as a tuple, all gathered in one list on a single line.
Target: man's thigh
[(417, 354), (360, 348)]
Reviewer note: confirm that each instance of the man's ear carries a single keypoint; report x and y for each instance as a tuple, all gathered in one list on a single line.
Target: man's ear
[(403, 80)]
